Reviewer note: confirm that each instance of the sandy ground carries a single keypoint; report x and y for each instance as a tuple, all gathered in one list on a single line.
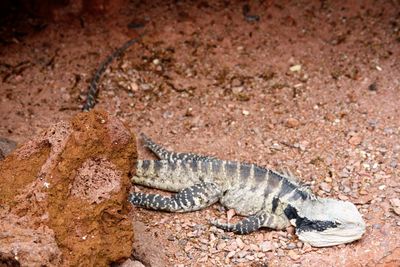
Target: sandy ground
[(311, 86)]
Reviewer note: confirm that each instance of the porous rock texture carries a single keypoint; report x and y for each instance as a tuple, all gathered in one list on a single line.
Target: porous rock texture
[(63, 195)]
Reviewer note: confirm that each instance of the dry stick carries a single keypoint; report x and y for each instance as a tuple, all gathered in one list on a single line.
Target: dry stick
[(93, 91)]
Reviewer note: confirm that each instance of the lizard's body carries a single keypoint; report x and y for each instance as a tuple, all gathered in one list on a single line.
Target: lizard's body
[(266, 198)]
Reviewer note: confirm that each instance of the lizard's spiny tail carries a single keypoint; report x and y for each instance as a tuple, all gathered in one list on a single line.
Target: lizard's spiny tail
[(93, 90), (163, 153)]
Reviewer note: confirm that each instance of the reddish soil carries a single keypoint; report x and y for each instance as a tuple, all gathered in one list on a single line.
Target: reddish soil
[(310, 86)]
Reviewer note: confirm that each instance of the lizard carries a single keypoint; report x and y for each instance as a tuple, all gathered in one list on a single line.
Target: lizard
[(265, 198)]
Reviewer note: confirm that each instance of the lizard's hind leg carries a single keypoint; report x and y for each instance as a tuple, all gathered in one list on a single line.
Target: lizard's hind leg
[(191, 198), (162, 153)]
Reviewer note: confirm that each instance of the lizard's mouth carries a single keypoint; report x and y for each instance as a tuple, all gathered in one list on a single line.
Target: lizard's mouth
[(332, 236), (334, 223)]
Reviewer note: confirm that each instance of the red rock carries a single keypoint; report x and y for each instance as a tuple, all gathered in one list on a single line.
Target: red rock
[(64, 195)]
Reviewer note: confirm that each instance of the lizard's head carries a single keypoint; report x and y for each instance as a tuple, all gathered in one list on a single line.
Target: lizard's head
[(326, 222)]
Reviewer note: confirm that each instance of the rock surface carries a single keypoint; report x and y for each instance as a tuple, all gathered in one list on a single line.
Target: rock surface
[(63, 195)]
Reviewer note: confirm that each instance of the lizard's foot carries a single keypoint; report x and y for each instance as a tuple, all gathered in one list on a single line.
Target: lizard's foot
[(246, 226)]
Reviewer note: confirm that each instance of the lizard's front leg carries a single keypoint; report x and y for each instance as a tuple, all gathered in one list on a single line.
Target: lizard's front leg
[(191, 198), (253, 223)]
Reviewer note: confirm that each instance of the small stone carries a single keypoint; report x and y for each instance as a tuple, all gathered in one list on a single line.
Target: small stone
[(363, 192), (145, 86), (290, 230), (246, 112), (250, 257), (280, 252), (203, 240), (293, 255), (236, 82), (395, 202), (330, 117), (292, 123), (254, 247), (276, 146), (221, 245), (365, 199), (291, 246), (295, 68), (325, 187), (382, 187), (259, 237), (203, 259), (188, 247), (232, 247), (355, 140), (231, 254), (156, 61), (242, 254), (307, 247), (229, 214), (265, 246), (372, 87), (237, 90), (240, 243), (134, 86), (393, 163), (212, 237)]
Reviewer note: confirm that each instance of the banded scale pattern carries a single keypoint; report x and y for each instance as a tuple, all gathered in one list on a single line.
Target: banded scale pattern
[(200, 181), (93, 90)]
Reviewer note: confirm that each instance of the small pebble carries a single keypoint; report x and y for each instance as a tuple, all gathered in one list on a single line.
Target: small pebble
[(250, 257), (293, 255), (156, 61), (246, 112), (241, 254), (372, 87), (292, 123), (236, 82), (295, 68), (325, 187), (231, 254), (254, 247), (265, 246), (240, 243), (221, 245), (355, 140)]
